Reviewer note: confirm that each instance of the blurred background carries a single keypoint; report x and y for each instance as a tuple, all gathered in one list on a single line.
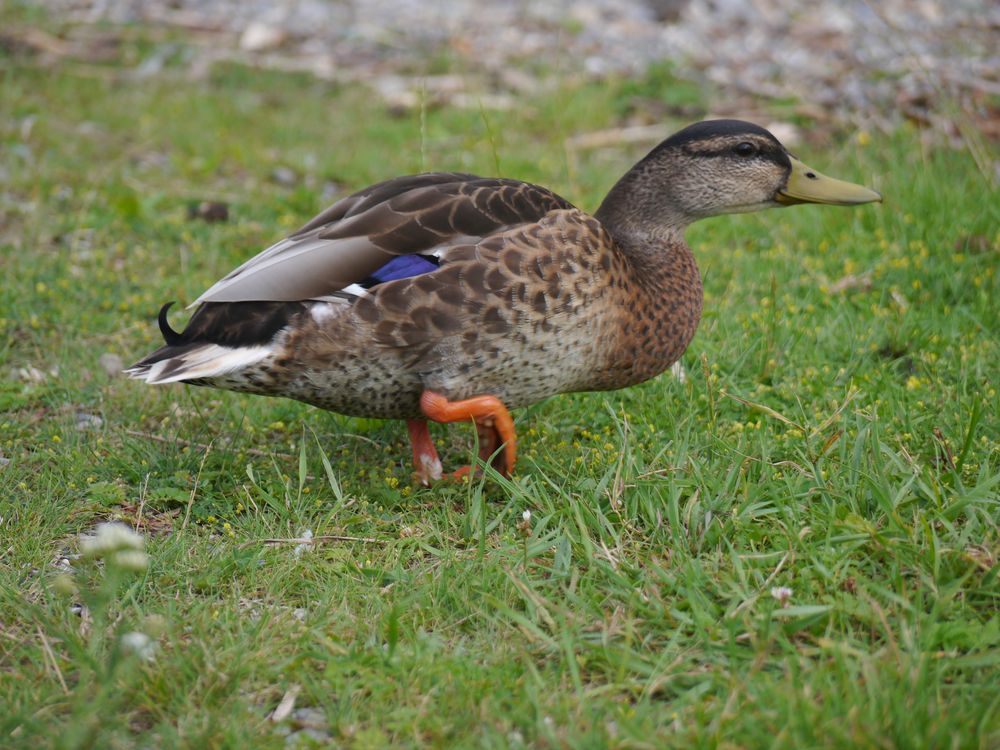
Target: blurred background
[(872, 64)]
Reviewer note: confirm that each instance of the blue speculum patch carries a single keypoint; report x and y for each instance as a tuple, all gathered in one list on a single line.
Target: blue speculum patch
[(401, 267)]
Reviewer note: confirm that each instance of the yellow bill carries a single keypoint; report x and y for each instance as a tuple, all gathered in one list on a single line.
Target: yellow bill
[(806, 185)]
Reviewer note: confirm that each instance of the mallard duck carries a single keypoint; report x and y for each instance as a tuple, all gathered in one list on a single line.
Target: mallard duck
[(450, 297)]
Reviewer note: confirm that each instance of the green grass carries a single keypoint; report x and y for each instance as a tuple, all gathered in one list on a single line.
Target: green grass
[(845, 444)]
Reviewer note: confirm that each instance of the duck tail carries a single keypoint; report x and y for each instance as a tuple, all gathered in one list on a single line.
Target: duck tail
[(197, 362), (192, 358)]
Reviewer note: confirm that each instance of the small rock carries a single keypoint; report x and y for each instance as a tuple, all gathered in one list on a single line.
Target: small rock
[(27, 125), (667, 11), (112, 364), (310, 718), (305, 544), (140, 644), (330, 192), (284, 176), (520, 81), (85, 421), (398, 99), (259, 36), (22, 151), (154, 64), (29, 374), (788, 133), (210, 211)]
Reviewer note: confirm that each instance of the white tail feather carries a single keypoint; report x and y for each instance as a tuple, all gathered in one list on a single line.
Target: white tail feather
[(208, 361)]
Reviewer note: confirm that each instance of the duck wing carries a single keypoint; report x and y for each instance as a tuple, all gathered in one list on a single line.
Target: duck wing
[(419, 215)]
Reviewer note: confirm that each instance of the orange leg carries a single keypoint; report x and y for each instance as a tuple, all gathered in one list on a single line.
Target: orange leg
[(425, 457), (494, 426)]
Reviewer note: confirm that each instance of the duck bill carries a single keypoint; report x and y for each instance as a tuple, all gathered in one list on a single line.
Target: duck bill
[(806, 185)]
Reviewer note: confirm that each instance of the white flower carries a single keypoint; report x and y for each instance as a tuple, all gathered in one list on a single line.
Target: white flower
[(111, 537), (139, 644), (306, 537), (526, 516), (131, 559), (782, 594)]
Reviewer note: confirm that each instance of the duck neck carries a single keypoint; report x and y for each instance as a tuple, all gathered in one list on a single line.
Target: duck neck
[(667, 293), (652, 239)]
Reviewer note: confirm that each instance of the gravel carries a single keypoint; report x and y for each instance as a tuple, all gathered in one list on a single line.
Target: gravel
[(867, 63)]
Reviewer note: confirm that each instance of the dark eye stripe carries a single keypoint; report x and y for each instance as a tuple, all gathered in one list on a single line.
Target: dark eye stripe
[(707, 149)]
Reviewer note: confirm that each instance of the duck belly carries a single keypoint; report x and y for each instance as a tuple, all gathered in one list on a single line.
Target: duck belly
[(355, 386)]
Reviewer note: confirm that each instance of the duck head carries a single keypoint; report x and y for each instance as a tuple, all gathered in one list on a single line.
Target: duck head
[(719, 167)]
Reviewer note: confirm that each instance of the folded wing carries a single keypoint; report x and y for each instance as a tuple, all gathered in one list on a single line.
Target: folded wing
[(357, 236)]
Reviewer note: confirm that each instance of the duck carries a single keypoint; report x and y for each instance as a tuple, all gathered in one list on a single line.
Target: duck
[(449, 297)]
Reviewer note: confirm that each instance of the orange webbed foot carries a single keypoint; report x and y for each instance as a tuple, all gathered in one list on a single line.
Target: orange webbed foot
[(494, 425)]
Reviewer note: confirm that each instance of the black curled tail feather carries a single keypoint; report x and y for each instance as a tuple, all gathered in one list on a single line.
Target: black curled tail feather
[(231, 324), (169, 334)]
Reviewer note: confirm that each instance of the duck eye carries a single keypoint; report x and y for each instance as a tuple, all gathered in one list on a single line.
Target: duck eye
[(745, 149)]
